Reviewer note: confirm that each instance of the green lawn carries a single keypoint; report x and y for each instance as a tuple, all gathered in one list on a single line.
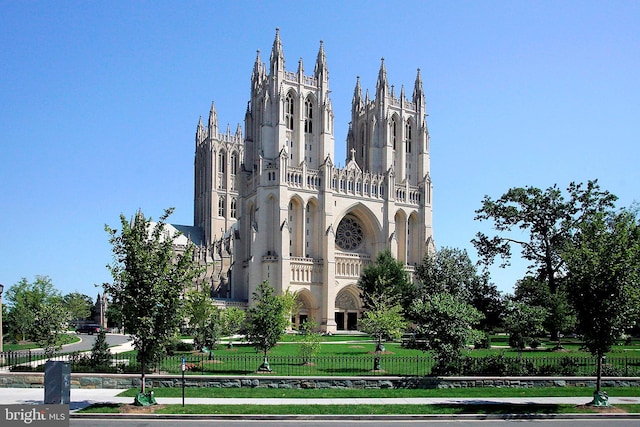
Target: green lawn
[(26, 345), (470, 392), (436, 409)]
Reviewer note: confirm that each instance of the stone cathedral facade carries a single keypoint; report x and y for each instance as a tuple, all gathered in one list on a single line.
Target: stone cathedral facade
[(270, 203)]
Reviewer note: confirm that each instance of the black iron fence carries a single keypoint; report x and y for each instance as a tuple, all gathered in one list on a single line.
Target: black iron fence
[(361, 365)]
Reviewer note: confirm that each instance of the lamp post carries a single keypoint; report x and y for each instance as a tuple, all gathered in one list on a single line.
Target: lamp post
[(1, 347)]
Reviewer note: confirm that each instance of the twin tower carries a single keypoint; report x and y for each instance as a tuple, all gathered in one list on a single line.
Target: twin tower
[(270, 204)]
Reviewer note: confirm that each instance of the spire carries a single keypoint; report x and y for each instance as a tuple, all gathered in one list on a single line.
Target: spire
[(213, 120), (257, 67), (200, 130), (321, 69), (418, 92), (300, 68), (356, 102), (382, 84), (277, 54)]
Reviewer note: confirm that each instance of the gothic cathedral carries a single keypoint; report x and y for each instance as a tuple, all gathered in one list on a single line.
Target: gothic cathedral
[(272, 205)]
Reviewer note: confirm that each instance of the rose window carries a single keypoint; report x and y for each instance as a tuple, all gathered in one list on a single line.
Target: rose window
[(349, 235)]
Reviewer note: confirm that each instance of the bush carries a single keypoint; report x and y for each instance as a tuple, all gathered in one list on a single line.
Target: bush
[(483, 343), (535, 343)]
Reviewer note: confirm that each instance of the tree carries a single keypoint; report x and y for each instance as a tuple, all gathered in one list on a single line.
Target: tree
[(267, 320), (523, 322), (78, 305), (444, 325), (203, 318), (310, 342), (383, 320), (25, 301), (559, 313), (386, 274), (148, 279), (50, 322), (540, 223), (100, 354), (450, 270), (232, 319), (604, 275)]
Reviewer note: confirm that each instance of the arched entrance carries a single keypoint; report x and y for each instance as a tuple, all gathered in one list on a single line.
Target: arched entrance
[(348, 308)]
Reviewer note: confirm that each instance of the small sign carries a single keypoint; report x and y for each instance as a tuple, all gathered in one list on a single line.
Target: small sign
[(34, 415)]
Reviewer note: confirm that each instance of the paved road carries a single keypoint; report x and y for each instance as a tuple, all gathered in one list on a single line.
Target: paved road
[(350, 423), (87, 342)]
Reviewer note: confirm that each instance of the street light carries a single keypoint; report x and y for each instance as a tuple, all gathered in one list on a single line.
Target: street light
[(1, 289)]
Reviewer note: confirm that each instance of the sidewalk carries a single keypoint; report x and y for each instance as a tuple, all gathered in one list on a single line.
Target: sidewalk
[(81, 398)]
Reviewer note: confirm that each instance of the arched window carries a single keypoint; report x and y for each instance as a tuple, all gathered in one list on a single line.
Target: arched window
[(233, 208), (222, 160), (221, 206), (407, 132), (394, 132), (234, 164), (288, 111), (308, 116)]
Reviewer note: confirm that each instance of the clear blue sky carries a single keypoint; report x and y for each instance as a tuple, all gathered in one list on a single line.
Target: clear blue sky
[(99, 103)]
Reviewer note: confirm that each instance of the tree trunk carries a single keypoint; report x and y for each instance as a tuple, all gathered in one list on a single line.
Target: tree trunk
[(142, 376), (599, 373)]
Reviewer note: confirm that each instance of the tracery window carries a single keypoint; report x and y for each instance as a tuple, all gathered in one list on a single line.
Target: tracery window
[(349, 234), (288, 111), (233, 210), (308, 116), (407, 132), (221, 206)]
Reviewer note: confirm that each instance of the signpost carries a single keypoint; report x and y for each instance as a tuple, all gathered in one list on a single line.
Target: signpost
[(184, 368)]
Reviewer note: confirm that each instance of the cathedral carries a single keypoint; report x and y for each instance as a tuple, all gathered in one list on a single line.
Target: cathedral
[(271, 204)]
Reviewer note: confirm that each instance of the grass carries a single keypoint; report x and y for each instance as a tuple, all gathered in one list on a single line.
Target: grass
[(436, 409), (471, 392), (28, 345)]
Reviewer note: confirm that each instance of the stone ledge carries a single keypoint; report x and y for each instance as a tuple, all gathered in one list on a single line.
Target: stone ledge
[(124, 381)]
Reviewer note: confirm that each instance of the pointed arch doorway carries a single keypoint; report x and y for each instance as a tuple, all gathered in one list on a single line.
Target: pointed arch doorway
[(348, 308)]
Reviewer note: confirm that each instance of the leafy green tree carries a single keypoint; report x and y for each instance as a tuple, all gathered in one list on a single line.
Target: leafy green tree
[(78, 305), (311, 340), (386, 275), (203, 318), (100, 358), (450, 270), (445, 325), (604, 275), (232, 320), (559, 316), (540, 223), (267, 320), (25, 301), (382, 320), (148, 280), (523, 322), (48, 328)]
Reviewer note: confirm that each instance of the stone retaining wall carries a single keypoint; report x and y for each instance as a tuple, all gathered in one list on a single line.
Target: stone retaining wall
[(124, 381)]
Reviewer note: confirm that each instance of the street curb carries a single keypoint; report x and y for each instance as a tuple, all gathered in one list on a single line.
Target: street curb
[(362, 417)]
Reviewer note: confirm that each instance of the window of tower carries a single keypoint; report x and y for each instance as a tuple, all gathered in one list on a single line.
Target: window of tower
[(221, 162), (308, 116), (288, 111), (234, 164), (394, 132), (407, 132), (221, 206), (233, 208)]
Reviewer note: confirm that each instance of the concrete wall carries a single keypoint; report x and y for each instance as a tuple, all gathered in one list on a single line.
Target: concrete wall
[(124, 381)]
